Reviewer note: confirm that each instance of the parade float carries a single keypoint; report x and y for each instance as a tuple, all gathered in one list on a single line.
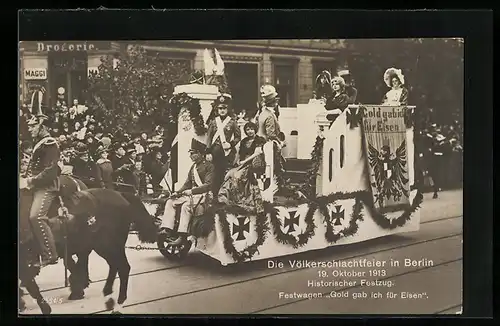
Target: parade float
[(364, 187), (360, 184)]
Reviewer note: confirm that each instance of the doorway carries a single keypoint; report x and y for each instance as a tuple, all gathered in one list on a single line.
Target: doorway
[(243, 81), (68, 71)]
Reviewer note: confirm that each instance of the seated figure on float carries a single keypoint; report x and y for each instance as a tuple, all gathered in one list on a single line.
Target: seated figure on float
[(195, 194), (240, 186)]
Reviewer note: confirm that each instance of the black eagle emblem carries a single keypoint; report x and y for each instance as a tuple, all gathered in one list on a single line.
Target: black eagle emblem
[(389, 171)]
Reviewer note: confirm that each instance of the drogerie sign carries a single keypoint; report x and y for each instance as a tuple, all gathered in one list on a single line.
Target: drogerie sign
[(65, 46)]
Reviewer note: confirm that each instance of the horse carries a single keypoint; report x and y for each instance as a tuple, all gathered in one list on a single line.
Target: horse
[(99, 220)]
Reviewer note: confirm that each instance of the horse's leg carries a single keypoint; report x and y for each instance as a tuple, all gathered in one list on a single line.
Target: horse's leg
[(124, 273), (22, 304), (83, 263), (34, 291), (76, 284), (108, 286)]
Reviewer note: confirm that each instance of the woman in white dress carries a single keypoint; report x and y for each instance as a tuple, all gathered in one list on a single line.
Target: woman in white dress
[(398, 94)]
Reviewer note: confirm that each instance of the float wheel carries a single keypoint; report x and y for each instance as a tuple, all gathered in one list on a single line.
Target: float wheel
[(173, 252)]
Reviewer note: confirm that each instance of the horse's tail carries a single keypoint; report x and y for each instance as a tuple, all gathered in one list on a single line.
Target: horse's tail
[(144, 223)]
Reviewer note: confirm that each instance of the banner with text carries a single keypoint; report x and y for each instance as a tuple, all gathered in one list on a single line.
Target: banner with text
[(386, 151)]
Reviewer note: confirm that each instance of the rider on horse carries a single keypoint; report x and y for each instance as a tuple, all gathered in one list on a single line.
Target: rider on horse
[(43, 180)]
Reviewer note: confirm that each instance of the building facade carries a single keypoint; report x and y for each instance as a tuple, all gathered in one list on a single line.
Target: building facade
[(61, 68), (290, 65)]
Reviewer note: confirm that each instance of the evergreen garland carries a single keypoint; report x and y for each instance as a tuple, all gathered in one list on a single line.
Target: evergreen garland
[(386, 223), (177, 102), (261, 228), (285, 238), (309, 185), (356, 216)]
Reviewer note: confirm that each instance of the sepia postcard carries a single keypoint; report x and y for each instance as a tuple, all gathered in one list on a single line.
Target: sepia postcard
[(248, 176)]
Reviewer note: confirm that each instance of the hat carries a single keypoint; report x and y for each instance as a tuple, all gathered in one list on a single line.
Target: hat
[(223, 99), (81, 149), (197, 146), (326, 74), (391, 73), (269, 94), (42, 117), (89, 135), (32, 121)]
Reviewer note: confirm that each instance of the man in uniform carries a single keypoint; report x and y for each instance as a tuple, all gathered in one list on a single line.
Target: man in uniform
[(223, 135), (195, 192), (44, 182)]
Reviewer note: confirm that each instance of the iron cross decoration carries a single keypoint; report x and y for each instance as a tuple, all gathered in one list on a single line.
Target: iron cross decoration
[(241, 228), (291, 221), (337, 215)]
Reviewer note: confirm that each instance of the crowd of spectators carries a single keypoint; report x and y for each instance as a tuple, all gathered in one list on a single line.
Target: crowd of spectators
[(97, 155)]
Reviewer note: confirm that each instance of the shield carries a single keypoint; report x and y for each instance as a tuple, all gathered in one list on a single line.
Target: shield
[(292, 219), (242, 230), (263, 181)]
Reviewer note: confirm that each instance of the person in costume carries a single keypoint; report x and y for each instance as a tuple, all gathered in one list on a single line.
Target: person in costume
[(350, 90), (45, 170), (339, 100), (267, 121), (240, 186), (398, 94), (323, 88), (222, 136), (269, 129), (265, 92), (196, 192)]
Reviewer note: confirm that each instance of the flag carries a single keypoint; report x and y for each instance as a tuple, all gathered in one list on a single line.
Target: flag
[(219, 64), (386, 152)]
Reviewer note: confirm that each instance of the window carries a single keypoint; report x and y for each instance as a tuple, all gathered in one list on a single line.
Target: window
[(318, 67), (69, 71), (330, 164), (342, 154), (285, 83)]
